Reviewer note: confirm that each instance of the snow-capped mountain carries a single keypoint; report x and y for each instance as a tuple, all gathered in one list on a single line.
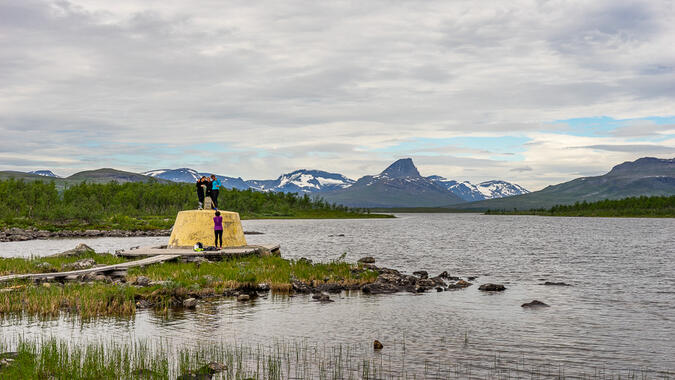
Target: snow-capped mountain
[(44, 173), (399, 185), (191, 175), (303, 181), (484, 190)]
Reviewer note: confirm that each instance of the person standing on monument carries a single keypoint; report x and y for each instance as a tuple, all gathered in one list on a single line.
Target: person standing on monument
[(218, 229), (215, 189), (200, 191)]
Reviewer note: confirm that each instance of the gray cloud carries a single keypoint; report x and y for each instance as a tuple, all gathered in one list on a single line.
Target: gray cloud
[(321, 84)]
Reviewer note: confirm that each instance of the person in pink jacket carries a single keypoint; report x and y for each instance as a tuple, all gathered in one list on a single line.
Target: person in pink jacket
[(218, 229)]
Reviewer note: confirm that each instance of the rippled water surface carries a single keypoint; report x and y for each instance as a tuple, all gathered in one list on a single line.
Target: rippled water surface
[(619, 314)]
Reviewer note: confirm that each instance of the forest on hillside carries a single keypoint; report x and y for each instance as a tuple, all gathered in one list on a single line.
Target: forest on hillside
[(142, 205), (655, 206)]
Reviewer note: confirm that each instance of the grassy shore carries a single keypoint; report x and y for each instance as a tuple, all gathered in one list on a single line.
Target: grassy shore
[(633, 207), (171, 282)]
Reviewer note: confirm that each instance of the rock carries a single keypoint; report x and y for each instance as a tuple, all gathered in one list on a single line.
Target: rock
[(549, 283), (190, 303), (301, 287), (45, 267), (253, 233), (421, 274), (367, 260), (492, 287), (534, 303), (263, 287), (78, 250), (322, 297), (79, 265), (143, 304), (141, 281), (461, 284), (330, 288), (439, 289), (377, 345), (379, 288), (243, 297), (471, 278), (205, 372)]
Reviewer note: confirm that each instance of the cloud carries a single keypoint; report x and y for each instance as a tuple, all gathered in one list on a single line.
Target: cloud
[(522, 169), (330, 85), (632, 148)]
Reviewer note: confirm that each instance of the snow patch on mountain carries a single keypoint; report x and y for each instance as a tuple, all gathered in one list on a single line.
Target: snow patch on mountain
[(44, 173), (303, 181), (484, 190)]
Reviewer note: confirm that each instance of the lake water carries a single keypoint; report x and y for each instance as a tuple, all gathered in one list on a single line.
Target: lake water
[(618, 315)]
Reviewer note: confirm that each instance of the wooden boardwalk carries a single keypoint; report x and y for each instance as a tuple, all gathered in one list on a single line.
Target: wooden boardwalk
[(103, 269), (262, 250)]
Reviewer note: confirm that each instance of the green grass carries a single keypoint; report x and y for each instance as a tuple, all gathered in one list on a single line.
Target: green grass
[(142, 359), (182, 280), (14, 265)]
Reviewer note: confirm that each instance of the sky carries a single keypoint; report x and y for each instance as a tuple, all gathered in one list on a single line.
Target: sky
[(531, 92)]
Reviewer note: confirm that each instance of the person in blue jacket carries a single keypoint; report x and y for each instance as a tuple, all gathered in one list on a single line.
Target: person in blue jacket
[(215, 189)]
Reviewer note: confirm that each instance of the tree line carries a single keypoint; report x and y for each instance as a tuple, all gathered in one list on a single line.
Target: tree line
[(644, 206), (142, 205)]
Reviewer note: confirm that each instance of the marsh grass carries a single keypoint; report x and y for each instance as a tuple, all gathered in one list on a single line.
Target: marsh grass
[(178, 281), (162, 359), (14, 265)]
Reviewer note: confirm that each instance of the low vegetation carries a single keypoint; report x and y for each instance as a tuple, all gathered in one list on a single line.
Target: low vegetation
[(171, 282), (656, 206), (142, 206)]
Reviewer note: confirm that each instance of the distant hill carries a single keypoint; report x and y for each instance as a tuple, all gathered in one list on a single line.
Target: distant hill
[(644, 177), (399, 185), (111, 175)]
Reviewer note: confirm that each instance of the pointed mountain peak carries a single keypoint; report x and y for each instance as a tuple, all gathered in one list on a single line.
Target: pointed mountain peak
[(401, 169)]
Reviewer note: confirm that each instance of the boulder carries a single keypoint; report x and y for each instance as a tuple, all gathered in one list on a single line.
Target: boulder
[(77, 251), (141, 281), (534, 303), (322, 297), (492, 287), (379, 288)]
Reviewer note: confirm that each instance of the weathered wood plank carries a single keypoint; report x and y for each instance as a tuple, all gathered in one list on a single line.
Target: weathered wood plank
[(229, 251), (104, 269)]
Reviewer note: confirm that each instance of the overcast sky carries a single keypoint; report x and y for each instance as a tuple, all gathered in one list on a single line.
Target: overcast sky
[(532, 92)]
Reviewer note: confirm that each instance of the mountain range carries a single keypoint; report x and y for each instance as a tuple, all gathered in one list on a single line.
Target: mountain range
[(413, 189), (645, 176), (401, 185)]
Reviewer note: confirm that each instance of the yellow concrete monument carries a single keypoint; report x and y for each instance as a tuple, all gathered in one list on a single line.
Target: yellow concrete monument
[(197, 226)]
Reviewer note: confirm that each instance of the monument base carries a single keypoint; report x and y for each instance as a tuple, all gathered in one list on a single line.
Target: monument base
[(195, 226)]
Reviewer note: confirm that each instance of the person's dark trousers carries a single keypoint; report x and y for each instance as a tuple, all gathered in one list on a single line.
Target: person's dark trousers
[(219, 235), (200, 195), (214, 198)]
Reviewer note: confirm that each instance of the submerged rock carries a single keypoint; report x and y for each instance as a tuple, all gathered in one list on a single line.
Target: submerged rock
[(461, 284), (378, 345), (322, 297), (190, 303), (243, 297), (549, 283), (534, 303), (367, 260), (492, 287)]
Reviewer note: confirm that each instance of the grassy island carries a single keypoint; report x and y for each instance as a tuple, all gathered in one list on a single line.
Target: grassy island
[(143, 206), (644, 207), (164, 285)]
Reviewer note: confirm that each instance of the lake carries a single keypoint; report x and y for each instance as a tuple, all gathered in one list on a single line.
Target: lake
[(618, 315)]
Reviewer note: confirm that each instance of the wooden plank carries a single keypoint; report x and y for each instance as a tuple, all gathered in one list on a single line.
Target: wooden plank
[(103, 269), (229, 251)]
